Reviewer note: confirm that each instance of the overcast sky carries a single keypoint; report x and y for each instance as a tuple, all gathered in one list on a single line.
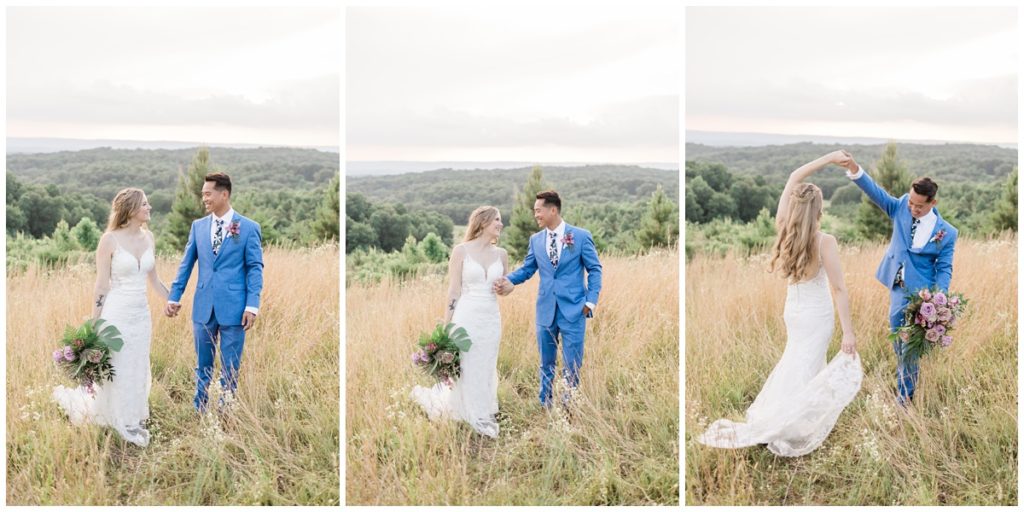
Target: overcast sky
[(257, 75), (522, 83), (904, 73)]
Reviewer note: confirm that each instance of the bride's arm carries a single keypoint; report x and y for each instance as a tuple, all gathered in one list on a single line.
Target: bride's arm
[(834, 269), (154, 278), (503, 254), (104, 251), (454, 282), (803, 172)]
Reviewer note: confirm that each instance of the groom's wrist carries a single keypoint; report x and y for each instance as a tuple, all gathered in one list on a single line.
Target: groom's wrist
[(855, 175), (252, 310)]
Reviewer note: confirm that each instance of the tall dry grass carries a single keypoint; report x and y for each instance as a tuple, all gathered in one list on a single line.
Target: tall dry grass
[(957, 444), (278, 446), (621, 448)]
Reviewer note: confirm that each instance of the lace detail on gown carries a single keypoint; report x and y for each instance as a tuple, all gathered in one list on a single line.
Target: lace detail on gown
[(474, 397), (802, 397), (122, 403)]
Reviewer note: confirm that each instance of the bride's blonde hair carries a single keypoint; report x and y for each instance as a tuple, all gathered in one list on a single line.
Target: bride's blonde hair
[(795, 252), (125, 204), (479, 220)]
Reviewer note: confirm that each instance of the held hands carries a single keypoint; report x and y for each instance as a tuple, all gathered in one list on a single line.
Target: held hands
[(849, 345), (503, 286), (840, 157), (171, 310)]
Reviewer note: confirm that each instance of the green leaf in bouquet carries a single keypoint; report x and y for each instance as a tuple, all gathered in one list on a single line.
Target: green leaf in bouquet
[(109, 335), (458, 337)]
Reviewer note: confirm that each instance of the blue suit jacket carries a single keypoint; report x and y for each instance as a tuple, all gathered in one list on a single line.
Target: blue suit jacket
[(563, 286), (229, 281), (931, 265)]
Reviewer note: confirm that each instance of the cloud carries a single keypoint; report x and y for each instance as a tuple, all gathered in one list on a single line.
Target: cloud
[(646, 122)]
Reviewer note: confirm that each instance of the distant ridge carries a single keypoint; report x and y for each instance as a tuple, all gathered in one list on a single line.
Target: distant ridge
[(389, 167), (55, 144), (747, 139)]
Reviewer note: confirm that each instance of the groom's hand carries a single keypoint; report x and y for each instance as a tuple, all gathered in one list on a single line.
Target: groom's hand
[(248, 320), (503, 286), (171, 310)]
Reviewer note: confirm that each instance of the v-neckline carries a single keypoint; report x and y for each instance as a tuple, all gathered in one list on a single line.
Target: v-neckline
[(488, 267), (138, 259)]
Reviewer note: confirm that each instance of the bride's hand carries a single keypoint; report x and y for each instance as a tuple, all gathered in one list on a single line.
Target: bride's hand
[(849, 344), (840, 157)]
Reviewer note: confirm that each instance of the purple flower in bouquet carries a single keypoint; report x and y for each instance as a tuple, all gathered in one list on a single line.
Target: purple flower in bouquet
[(904, 335), (941, 329), (416, 357), (945, 314), (947, 341), (447, 357), (939, 299), (925, 294), (58, 355), (69, 354), (927, 310), (954, 300), (931, 335)]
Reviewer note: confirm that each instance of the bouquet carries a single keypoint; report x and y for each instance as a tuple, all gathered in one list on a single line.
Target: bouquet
[(930, 317), (438, 353), (85, 352)]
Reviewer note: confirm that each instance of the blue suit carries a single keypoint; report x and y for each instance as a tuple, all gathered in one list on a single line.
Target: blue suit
[(228, 282), (925, 267), (560, 301)]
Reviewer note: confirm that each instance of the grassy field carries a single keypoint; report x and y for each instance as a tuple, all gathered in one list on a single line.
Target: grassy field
[(279, 446), (956, 445), (622, 448)]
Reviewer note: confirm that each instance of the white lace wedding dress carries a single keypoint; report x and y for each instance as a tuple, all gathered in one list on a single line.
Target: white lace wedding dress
[(122, 403), (474, 397), (802, 398)]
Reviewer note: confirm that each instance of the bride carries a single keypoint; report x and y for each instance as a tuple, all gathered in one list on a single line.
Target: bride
[(124, 261), (802, 398), (472, 269)]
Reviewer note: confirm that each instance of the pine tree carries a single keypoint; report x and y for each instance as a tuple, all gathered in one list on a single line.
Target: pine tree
[(433, 248), (660, 227), (891, 175), (521, 225), (188, 199), (1005, 215), (327, 225), (87, 234)]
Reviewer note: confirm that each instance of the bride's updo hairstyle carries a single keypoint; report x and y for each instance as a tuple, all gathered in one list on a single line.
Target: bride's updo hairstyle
[(479, 220), (125, 204), (795, 252)]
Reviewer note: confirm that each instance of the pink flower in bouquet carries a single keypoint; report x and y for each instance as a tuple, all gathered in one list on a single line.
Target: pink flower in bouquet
[(431, 347), (939, 299), (69, 354), (78, 343), (947, 341), (904, 335), (954, 300), (945, 314), (58, 355), (94, 356), (447, 357), (931, 335), (941, 329), (925, 294), (927, 310), (952, 322)]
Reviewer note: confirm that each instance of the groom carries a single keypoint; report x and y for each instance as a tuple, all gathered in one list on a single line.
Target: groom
[(561, 253), (227, 299), (920, 255)]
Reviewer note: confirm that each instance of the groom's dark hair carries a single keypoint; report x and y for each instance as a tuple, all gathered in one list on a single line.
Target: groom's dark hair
[(221, 181), (551, 198), (926, 187)]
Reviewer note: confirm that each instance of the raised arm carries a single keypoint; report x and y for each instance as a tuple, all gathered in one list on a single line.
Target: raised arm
[(834, 270), (803, 172), (154, 278), (454, 281), (878, 195), (104, 251)]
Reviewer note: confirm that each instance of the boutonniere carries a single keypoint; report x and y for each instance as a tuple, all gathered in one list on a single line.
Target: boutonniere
[(939, 235), (568, 241), (234, 230)]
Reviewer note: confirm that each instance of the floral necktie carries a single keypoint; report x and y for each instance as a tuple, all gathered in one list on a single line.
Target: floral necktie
[(899, 273), (553, 248), (218, 236)]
